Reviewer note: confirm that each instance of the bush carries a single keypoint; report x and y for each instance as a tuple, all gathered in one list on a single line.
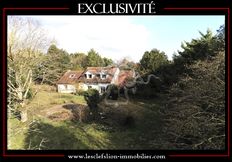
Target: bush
[(146, 91), (114, 91), (92, 98)]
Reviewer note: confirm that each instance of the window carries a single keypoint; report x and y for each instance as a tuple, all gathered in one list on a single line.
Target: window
[(90, 76), (103, 89), (103, 76), (89, 87), (72, 76)]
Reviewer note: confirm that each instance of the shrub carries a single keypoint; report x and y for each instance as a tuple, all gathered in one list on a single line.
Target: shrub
[(92, 98), (114, 91), (146, 91)]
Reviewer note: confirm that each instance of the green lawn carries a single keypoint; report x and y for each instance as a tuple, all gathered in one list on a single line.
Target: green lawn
[(145, 132)]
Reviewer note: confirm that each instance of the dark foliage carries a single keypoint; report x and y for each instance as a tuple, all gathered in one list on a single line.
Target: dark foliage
[(113, 92), (195, 112), (92, 98)]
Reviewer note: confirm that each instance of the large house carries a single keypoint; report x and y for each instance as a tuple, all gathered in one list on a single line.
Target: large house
[(93, 77)]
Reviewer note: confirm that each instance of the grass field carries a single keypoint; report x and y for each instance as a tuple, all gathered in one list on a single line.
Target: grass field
[(39, 132)]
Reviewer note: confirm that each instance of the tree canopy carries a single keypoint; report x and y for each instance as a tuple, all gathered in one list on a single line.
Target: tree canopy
[(152, 60), (201, 48), (94, 59)]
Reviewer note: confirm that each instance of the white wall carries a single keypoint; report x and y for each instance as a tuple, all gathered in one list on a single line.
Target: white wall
[(66, 88), (87, 75), (84, 86)]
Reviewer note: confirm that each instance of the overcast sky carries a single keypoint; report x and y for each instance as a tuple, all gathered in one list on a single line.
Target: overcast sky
[(126, 36)]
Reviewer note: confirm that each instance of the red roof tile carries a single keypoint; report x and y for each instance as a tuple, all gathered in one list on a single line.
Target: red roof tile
[(110, 71), (123, 75), (70, 77)]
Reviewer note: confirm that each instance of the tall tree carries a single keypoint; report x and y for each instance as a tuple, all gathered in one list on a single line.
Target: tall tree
[(203, 48), (94, 59), (54, 64), (198, 49), (220, 37), (78, 61), (153, 60), (107, 61), (195, 111), (26, 41)]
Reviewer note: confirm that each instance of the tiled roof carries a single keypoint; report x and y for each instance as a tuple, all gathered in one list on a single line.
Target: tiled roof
[(70, 77), (109, 71), (95, 70), (123, 75)]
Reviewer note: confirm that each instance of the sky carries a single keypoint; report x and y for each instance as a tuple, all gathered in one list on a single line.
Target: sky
[(117, 37)]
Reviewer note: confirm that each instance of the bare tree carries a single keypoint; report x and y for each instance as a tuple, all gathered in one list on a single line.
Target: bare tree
[(26, 41)]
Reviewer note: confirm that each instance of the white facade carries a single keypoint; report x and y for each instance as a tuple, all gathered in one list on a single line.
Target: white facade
[(89, 75), (66, 88), (100, 87)]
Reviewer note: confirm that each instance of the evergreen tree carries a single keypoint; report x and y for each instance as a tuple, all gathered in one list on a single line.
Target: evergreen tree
[(152, 60), (94, 59)]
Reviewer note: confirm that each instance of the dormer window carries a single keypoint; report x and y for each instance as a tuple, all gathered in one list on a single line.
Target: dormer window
[(72, 76), (103, 76), (88, 75)]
